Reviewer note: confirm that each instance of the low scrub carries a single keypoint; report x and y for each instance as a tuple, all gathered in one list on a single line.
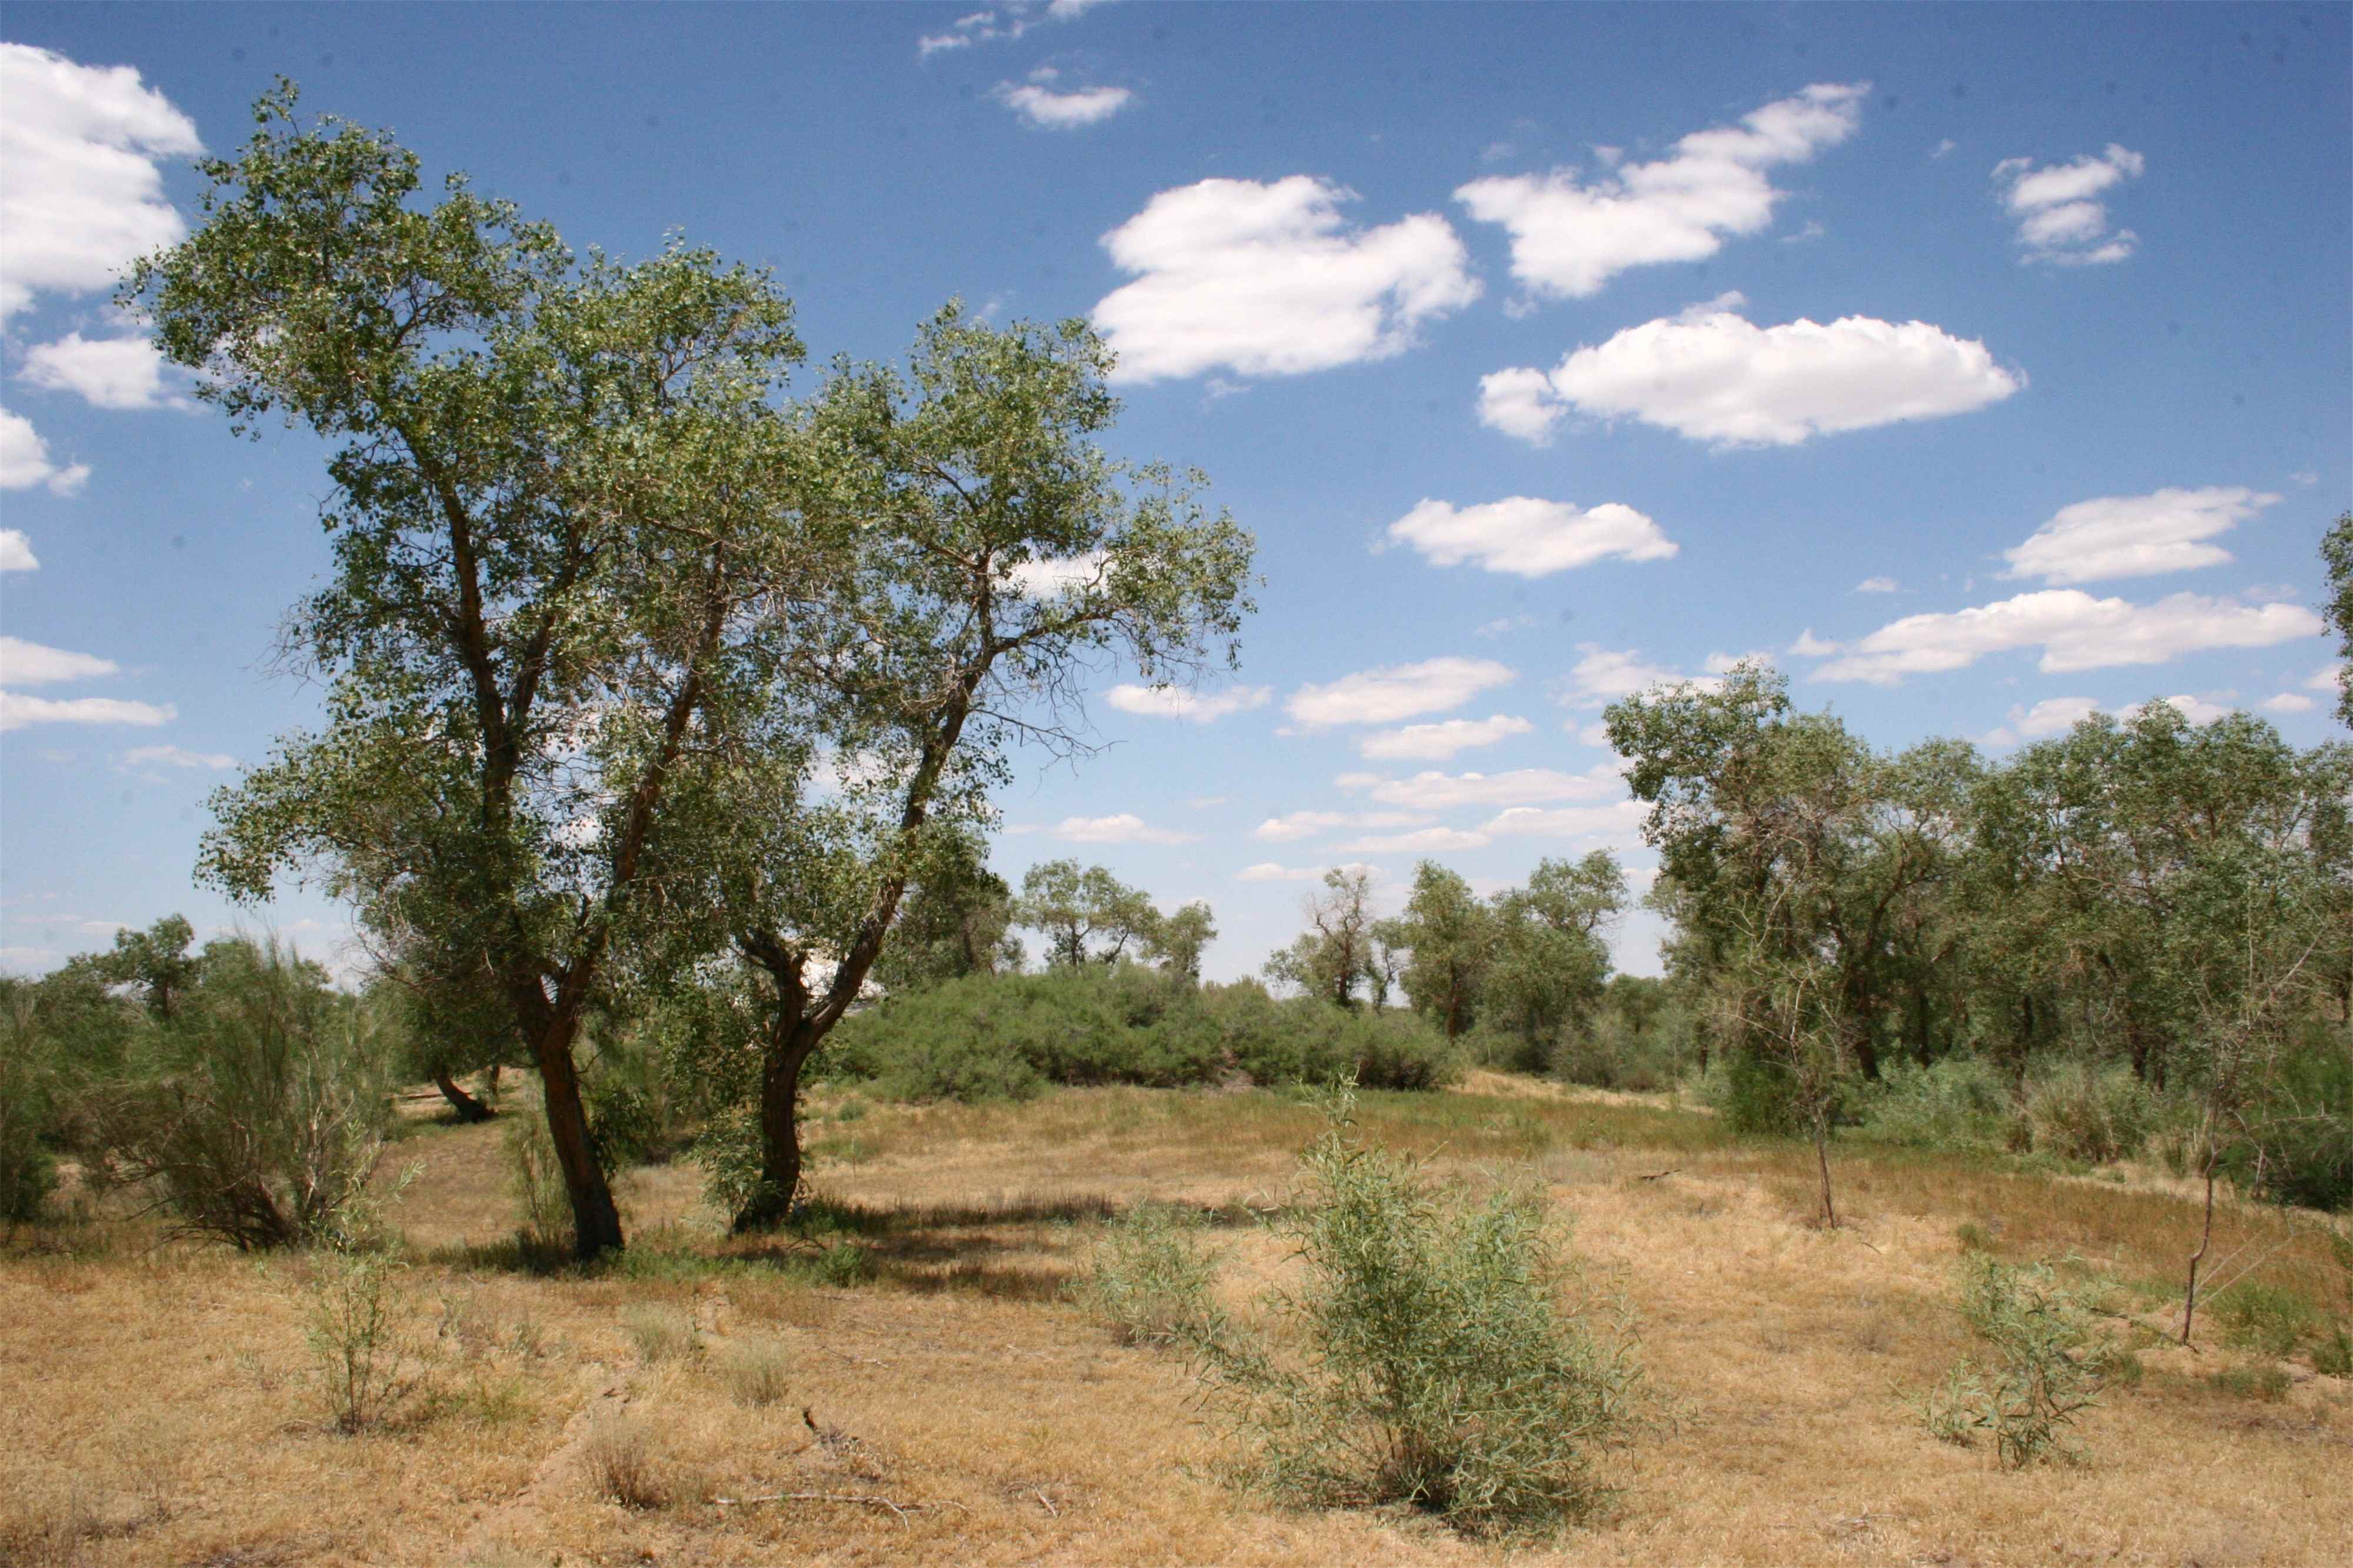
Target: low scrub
[(2090, 1114), (257, 1113), (1959, 1103), (2040, 1365), (1424, 1358), (1149, 1277), (1008, 1036)]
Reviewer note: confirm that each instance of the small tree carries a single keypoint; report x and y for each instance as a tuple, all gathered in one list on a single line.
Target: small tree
[(1449, 936), (1335, 955), (1176, 941), (1076, 906)]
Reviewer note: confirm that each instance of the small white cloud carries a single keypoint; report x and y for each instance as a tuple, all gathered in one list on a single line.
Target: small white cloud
[(1308, 824), (2058, 219), (1397, 691), (1194, 706), (25, 663), (1520, 786), (1427, 840), (2326, 678), (17, 552), (1125, 829), (2052, 716), (1272, 871), (1809, 646), (1504, 626), (1603, 675), (83, 197), (111, 373), (1047, 110), (24, 457), (1055, 576), (1007, 20), (1529, 538), (1264, 279), (18, 710), (1710, 375), (2197, 710), (177, 757), (1943, 148), (2289, 703), (1595, 733), (1879, 586), (2074, 631), (2135, 536), (1620, 820), (1431, 742), (1570, 237)]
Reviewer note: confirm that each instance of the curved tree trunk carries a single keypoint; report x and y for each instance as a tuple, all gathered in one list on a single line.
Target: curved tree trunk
[(595, 1219), (468, 1107), (780, 1132)]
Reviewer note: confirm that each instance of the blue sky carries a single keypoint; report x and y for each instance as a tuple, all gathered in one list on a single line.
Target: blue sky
[(1979, 365)]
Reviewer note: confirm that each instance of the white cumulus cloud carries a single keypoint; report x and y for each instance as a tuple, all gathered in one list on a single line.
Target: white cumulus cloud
[(177, 757), (2060, 218), (2073, 630), (16, 710), (1431, 742), (2196, 710), (1529, 538), (1266, 279), (1712, 375), (1308, 824), (1570, 236), (1423, 841), (79, 193), (1194, 707), (1273, 872), (2135, 536), (1042, 107), (17, 552), (24, 460), (1435, 790), (2324, 678), (1127, 827), (25, 663), (111, 372), (2289, 703), (1602, 675), (1620, 820), (1385, 695), (1879, 586), (2053, 716), (1056, 575)]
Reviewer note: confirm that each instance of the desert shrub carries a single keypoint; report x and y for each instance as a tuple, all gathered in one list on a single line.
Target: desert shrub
[(618, 1457), (2305, 1132), (535, 1184), (2266, 1383), (2090, 1114), (1752, 1093), (1424, 1358), (1960, 1103), (661, 1334), (1306, 1040), (2039, 1365), (1150, 1277), (29, 1118), (756, 1372), (355, 1326), (2333, 1355), (2262, 1318), (256, 1112)]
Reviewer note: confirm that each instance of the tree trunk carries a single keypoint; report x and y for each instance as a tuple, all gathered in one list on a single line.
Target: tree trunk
[(790, 1045), (468, 1107), (1822, 1163), (595, 1221), (2205, 1240)]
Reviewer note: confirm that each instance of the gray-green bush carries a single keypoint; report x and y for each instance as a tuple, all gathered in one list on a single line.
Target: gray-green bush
[(1424, 1358), (1961, 1102), (2092, 1114), (2040, 1364), (1150, 1277)]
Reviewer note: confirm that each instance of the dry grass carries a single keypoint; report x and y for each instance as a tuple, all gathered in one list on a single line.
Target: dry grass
[(158, 1409)]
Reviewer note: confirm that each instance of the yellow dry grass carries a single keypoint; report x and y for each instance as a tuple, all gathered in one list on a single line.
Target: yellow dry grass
[(158, 1404)]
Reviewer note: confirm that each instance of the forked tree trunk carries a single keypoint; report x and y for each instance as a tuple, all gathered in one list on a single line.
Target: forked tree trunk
[(791, 1044), (2205, 1240), (468, 1107), (596, 1220)]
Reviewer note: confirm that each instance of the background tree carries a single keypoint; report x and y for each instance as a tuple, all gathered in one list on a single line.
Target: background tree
[(554, 493), (1175, 941), (1333, 956), (1449, 936), (1547, 963), (154, 963), (1076, 906), (957, 921), (997, 554), (2337, 555)]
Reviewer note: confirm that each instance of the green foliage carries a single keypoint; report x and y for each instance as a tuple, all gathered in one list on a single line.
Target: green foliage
[(2333, 1355), (1959, 1103), (2302, 1148), (2264, 1383), (1754, 1091), (2090, 1114), (2337, 555), (2263, 1319), (535, 1184), (1149, 1276), (1424, 1358), (31, 1122), (356, 1327), (2040, 1363), (1006, 1036), (256, 1112)]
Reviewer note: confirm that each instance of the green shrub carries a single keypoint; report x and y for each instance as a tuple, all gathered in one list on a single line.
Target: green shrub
[(2306, 1131), (535, 1182), (1960, 1103), (2090, 1114), (2040, 1364), (2268, 1385), (29, 1119), (2333, 1357), (1752, 1092), (256, 1113), (2260, 1318), (1149, 1277), (358, 1337), (1424, 1358)]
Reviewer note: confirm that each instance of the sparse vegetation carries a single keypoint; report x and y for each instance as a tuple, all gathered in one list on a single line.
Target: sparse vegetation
[(2039, 1368)]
